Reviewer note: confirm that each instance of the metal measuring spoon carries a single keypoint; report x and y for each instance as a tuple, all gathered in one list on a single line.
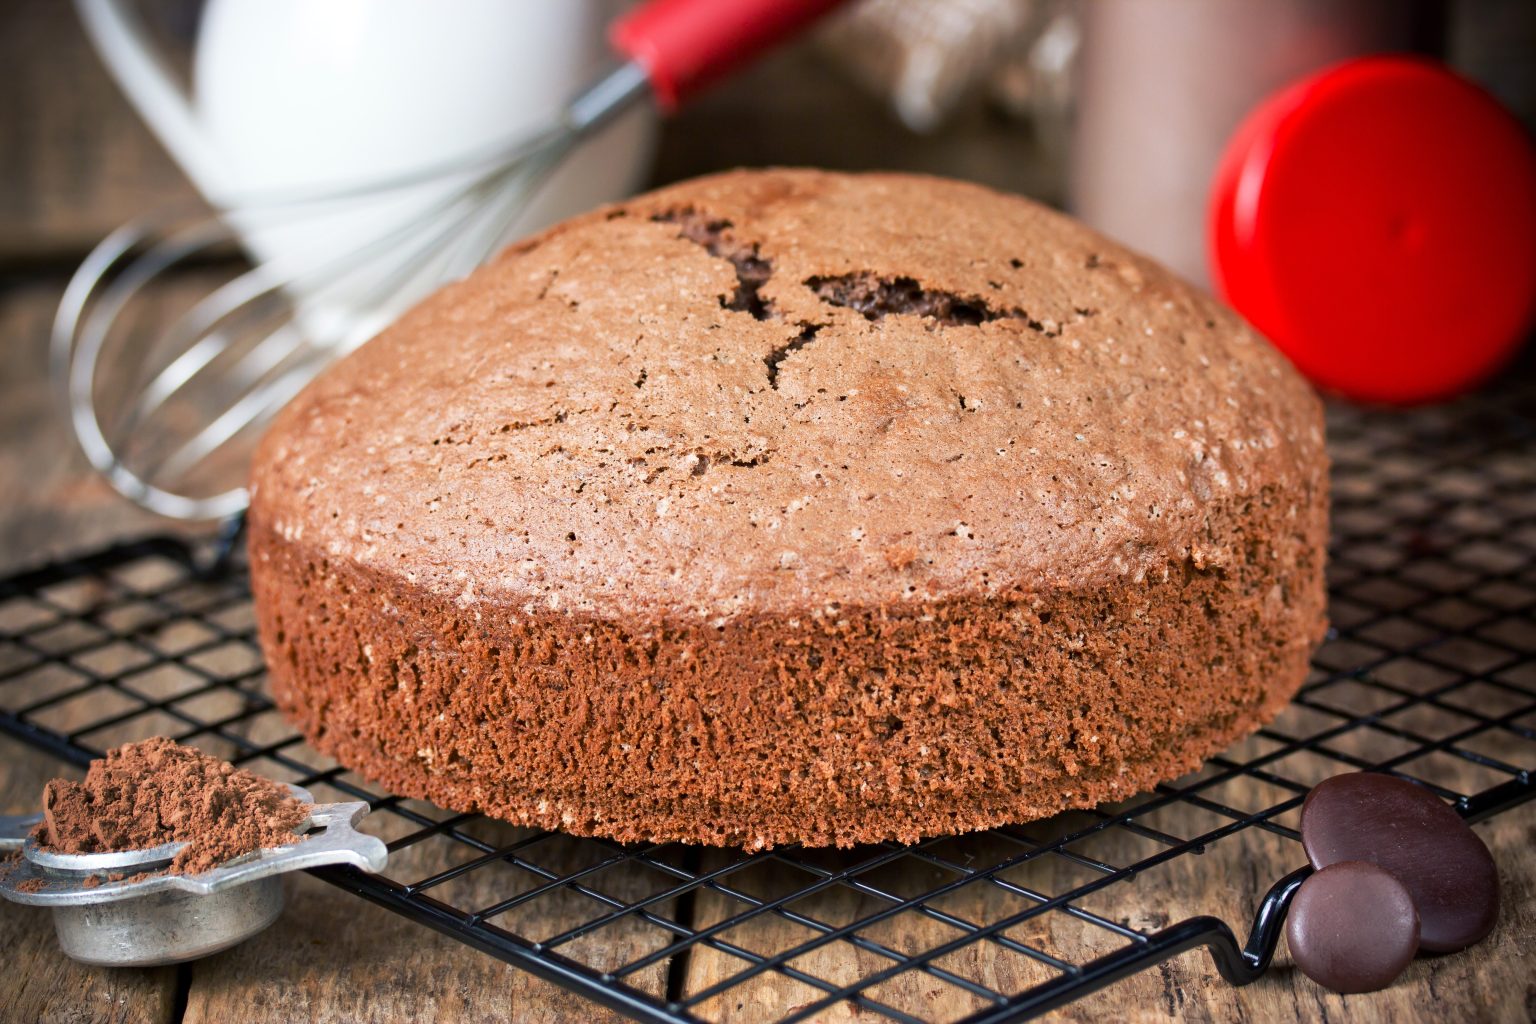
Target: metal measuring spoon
[(168, 917)]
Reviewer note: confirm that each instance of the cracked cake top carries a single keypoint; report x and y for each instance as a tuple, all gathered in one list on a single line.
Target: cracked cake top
[(778, 390)]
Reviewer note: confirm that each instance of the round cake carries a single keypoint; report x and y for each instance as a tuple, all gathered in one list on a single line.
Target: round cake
[(787, 506)]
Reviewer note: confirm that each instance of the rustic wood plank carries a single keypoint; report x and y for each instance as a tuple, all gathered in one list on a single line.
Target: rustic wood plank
[(53, 503), (76, 161), (1491, 982), (332, 957)]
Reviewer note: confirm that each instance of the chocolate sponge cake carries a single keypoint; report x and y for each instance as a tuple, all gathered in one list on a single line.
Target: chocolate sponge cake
[(790, 506)]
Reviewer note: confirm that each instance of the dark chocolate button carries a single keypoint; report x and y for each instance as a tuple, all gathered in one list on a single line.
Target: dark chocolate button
[(1352, 927), (1405, 828)]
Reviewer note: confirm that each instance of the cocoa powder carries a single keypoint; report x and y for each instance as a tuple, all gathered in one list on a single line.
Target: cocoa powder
[(9, 862), (146, 794)]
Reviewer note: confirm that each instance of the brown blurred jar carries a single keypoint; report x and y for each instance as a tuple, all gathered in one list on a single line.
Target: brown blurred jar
[(1163, 83)]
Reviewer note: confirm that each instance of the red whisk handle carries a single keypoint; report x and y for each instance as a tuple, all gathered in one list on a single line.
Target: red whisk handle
[(683, 45)]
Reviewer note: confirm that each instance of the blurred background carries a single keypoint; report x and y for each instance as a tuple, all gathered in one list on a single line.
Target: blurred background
[(1115, 109)]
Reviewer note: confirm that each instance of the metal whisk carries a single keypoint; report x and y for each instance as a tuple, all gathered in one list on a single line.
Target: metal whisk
[(170, 421)]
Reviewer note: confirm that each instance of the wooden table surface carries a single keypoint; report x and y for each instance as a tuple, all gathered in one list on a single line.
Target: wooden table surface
[(74, 163)]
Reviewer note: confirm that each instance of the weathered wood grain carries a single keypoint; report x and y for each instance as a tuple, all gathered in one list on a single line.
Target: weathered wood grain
[(51, 503), (333, 959), (1492, 982), (75, 161)]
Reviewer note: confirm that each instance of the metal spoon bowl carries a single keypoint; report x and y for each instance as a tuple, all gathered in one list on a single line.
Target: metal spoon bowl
[(155, 916)]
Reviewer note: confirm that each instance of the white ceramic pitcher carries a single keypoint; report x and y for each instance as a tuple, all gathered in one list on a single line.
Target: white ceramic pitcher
[(306, 97)]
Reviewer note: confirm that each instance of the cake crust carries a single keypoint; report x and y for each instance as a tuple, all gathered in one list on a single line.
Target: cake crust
[(790, 506)]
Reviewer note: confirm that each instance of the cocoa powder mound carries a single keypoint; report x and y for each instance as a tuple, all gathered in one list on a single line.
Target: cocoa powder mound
[(97, 881), (146, 794)]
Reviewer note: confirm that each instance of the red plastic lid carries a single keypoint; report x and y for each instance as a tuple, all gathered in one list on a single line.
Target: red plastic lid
[(1377, 221)]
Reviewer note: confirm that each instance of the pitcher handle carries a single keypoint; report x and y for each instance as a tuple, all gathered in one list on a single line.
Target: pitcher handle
[(142, 74)]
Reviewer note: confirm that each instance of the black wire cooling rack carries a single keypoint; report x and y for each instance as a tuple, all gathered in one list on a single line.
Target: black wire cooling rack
[(1429, 672)]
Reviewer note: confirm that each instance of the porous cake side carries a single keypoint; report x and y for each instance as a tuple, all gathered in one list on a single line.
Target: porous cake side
[(787, 506)]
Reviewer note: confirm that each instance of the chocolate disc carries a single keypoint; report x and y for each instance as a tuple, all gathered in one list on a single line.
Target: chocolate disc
[(1405, 828), (1352, 927)]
